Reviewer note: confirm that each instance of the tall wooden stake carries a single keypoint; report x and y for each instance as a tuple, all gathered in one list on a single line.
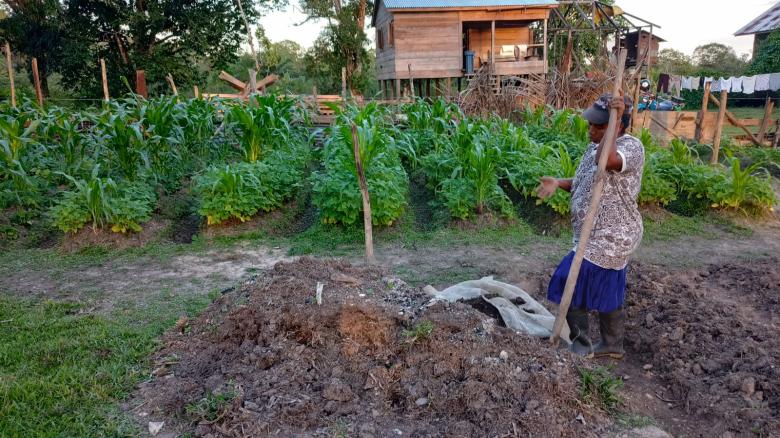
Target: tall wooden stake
[(169, 79), (411, 81), (635, 110), (10, 67), (104, 78), (590, 217), (344, 84), (367, 225), (37, 80), (196, 91), (140, 83), (768, 107), (700, 117), (719, 127)]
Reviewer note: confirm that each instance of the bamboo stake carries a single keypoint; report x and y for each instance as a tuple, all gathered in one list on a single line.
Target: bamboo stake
[(367, 225), (196, 91), (37, 80), (104, 78), (590, 218), (719, 126), (10, 67)]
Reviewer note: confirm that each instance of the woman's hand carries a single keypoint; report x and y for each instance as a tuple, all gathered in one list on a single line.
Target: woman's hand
[(547, 187), (618, 103)]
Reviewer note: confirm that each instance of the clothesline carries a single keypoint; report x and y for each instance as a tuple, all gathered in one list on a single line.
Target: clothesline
[(742, 84)]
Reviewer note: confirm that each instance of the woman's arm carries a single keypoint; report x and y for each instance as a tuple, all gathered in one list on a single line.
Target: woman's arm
[(614, 160), (548, 185)]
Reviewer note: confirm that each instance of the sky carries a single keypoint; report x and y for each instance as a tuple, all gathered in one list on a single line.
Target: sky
[(685, 24)]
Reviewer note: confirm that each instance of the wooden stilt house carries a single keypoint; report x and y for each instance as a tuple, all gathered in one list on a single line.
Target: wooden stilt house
[(424, 41)]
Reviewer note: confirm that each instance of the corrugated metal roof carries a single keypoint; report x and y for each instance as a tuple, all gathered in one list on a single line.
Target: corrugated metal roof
[(766, 22), (419, 4)]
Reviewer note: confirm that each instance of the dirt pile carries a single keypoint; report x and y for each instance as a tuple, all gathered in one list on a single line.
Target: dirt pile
[(372, 360), (712, 336)]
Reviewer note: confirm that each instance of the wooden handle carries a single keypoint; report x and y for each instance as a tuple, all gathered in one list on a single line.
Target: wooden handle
[(595, 201)]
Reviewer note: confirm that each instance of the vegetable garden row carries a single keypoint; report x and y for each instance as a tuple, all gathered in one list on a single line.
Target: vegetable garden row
[(108, 167)]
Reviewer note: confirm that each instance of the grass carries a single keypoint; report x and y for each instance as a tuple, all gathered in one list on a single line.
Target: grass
[(632, 421), (600, 388), (420, 332), (211, 407), (63, 372), (742, 113)]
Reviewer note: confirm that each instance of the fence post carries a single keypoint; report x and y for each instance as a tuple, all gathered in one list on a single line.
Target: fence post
[(104, 78), (344, 84), (37, 80), (719, 127), (769, 106), (140, 84), (10, 67), (196, 91), (700, 116)]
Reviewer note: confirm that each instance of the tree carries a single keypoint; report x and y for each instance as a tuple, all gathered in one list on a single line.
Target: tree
[(767, 58), (159, 36), (715, 59), (342, 44), (34, 28), (675, 62)]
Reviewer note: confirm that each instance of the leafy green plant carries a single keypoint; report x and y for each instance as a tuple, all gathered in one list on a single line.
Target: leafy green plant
[(264, 125), (212, 407), (420, 332), (742, 189), (600, 388)]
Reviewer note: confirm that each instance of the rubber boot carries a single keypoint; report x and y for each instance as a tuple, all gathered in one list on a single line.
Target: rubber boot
[(578, 326), (612, 326)]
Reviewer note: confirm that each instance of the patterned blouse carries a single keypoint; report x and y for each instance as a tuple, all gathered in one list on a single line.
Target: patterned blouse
[(618, 228)]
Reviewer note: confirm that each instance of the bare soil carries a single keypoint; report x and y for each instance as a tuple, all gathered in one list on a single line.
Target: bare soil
[(88, 237), (350, 366)]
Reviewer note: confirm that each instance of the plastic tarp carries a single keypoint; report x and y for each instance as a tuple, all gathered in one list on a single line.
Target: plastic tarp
[(518, 310)]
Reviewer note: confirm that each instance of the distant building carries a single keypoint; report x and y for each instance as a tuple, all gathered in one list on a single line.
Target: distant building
[(762, 26), (639, 44)]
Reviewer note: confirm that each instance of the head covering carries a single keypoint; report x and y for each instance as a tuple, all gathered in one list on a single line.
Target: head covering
[(598, 113)]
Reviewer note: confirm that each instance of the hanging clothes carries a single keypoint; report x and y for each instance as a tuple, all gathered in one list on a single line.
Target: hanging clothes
[(749, 85), (715, 86), (663, 83), (774, 81), (708, 79), (736, 84), (695, 81), (685, 82), (725, 84), (675, 84), (762, 82)]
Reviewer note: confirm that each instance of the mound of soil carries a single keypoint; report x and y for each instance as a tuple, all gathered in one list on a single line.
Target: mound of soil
[(104, 237), (711, 336), (360, 364)]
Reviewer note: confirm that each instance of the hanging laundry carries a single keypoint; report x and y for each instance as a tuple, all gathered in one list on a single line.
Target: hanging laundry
[(715, 86), (663, 83), (685, 82), (749, 85), (774, 81), (736, 84), (762, 82), (675, 84), (707, 79), (725, 84), (695, 81)]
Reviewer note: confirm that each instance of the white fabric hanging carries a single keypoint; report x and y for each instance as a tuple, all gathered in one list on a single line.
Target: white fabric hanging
[(749, 85)]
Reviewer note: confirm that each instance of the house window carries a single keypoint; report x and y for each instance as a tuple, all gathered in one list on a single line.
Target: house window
[(391, 34), (380, 39)]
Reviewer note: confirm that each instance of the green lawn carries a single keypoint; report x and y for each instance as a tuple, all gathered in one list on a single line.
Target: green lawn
[(744, 113)]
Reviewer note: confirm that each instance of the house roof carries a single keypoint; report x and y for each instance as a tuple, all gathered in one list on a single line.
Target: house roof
[(424, 4), (766, 22), (655, 37)]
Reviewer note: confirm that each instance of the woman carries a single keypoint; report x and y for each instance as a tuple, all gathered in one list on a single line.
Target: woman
[(601, 285)]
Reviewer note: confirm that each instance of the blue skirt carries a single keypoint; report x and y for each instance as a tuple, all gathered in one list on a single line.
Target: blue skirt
[(597, 288)]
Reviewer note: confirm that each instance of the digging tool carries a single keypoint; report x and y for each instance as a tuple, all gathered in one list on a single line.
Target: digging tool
[(590, 218)]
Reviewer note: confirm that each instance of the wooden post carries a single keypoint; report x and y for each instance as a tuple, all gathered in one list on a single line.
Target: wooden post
[(10, 67), (104, 78), (37, 80), (734, 121), (493, 42), (635, 109), (427, 88), (699, 136), (196, 91), (719, 127), (140, 83), (367, 224), (449, 87), (344, 84), (411, 80), (169, 79), (769, 106), (590, 217), (398, 89), (252, 81), (315, 100), (544, 55)]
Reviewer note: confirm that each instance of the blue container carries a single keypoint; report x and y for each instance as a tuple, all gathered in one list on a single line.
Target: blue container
[(469, 62)]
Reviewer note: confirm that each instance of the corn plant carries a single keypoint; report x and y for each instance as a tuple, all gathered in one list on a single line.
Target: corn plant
[(264, 125), (742, 189)]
